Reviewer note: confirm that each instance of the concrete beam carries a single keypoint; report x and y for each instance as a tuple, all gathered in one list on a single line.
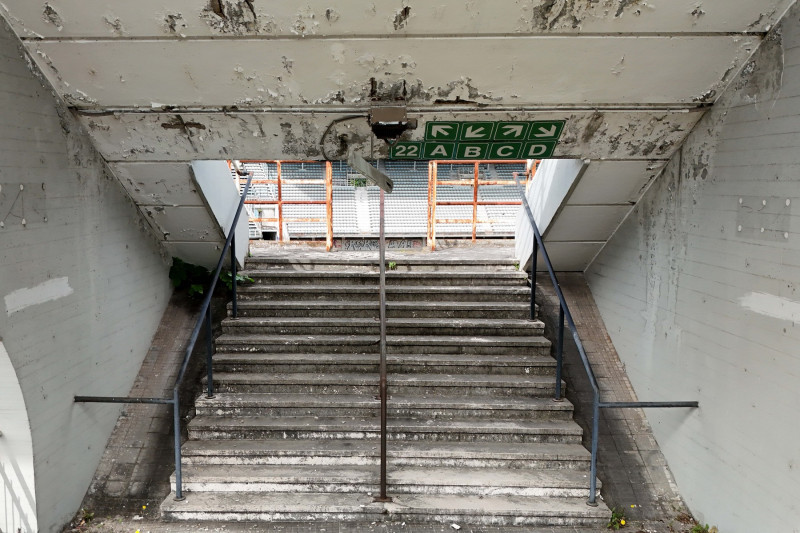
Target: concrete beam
[(249, 73), (315, 18), (151, 136)]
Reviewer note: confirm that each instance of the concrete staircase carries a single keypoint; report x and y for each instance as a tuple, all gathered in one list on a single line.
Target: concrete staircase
[(474, 438)]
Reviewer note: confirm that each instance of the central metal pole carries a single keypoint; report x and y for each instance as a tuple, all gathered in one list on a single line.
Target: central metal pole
[(383, 387)]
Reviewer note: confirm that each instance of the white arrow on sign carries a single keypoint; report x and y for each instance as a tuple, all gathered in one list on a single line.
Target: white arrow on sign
[(440, 129), (476, 133), (546, 132), (513, 129)]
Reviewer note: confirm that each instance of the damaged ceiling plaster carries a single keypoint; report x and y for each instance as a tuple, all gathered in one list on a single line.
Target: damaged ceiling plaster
[(157, 87)]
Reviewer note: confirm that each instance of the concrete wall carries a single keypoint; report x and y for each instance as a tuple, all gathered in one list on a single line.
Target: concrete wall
[(547, 192), (700, 292), (222, 197), (82, 286)]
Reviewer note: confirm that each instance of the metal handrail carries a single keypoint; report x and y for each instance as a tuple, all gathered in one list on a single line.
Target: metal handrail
[(565, 314), (205, 317)]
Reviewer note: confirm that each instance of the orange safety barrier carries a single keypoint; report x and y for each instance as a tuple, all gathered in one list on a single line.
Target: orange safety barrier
[(433, 182), (280, 202), (475, 183)]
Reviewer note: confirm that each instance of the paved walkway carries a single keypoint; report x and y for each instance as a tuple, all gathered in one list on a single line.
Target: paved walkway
[(133, 477)]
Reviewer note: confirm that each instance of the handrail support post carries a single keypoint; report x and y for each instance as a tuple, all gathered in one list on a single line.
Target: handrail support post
[(534, 261), (176, 423), (209, 355), (382, 497), (595, 435), (559, 353), (233, 275)]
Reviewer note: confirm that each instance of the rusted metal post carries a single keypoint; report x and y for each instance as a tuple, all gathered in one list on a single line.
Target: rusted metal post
[(209, 355), (328, 206), (430, 197), (383, 385), (432, 204), (176, 428), (475, 205), (280, 203), (234, 302)]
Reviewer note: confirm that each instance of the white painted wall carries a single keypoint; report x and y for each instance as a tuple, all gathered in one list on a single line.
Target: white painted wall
[(222, 196), (700, 292), (546, 193), (17, 493), (83, 286)]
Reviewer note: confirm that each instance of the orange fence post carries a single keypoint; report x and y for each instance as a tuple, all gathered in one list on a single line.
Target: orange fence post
[(280, 204), (329, 205), (475, 205), (432, 177)]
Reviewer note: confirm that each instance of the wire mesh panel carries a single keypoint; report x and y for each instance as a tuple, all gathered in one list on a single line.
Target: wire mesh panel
[(320, 199)]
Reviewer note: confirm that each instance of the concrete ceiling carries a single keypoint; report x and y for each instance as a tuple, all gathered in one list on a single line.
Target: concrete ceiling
[(157, 87)]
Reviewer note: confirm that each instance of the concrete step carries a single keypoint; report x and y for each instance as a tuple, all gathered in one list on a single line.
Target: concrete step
[(464, 385), (273, 363), (405, 508), (417, 293), (399, 453), (453, 481), (403, 429), (365, 406), (394, 278), (369, 309), (403, 263), (396, 344), (394, 326)]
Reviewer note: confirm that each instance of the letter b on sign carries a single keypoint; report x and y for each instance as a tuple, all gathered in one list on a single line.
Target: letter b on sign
[(472, 150)]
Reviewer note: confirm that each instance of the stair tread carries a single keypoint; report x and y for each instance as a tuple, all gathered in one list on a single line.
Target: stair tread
[(361, 261), (334, 321), (228, 399), (348, 447), (256, 338), (398, 475), (218, 503), (370, 304), (455, 359), (373, 289), (389, 274), (560, 427), (363, 378)]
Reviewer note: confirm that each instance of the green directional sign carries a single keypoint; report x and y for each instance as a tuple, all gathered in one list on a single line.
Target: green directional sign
[(549, 130), (512, 139), (538, 150), (511, 131), (406, 150), (441, 131), (505, 150), (437, 150), (476, 131), (472, 151)]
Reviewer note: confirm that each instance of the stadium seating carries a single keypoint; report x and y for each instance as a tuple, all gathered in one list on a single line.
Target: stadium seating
[(406, 208)]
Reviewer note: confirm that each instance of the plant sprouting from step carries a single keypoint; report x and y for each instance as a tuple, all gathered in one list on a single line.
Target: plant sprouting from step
[(226, 277), (617, 520), (194, 278), (392, 265), (704, 528), (188, 277)]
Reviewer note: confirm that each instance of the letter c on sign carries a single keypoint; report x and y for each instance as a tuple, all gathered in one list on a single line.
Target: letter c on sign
[(505, 151)]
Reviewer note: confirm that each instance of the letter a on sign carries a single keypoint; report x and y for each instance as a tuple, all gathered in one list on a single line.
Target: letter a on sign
[(439, 150)]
